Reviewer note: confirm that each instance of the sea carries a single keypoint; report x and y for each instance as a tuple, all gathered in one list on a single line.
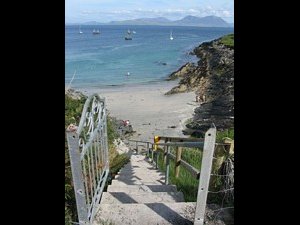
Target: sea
[(107, 59)]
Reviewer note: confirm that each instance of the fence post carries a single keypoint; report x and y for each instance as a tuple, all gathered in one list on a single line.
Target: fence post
[(152, 153), (73, 146), (177, 163), (165, 151), (208, 152), (156, 159), (167, 166), (148, 150)]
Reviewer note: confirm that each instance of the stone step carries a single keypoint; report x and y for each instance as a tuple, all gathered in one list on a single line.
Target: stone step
[(149, 170), (142, 172), (139, 176), (140, 197), (138, 166), (178, 213), (139, 180), (142, 188), (134, 182)]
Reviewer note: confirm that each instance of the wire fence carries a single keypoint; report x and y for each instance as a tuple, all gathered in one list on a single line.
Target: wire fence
[(220, 200)]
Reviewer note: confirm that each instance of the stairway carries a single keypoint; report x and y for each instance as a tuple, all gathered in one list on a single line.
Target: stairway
[(138, 196)]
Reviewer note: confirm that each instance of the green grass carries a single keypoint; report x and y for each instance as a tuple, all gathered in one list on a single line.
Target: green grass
[(228, 40), (225, 133), (185, 182)]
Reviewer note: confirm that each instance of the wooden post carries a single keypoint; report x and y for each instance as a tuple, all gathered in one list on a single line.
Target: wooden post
[(206, 165), (165, 151), (156, 160), (152, 153), (231, 142), (177, 162), (167, 165), (148, 150), (221, 153)]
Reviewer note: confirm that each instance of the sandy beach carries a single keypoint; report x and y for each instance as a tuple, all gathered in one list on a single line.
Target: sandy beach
[(149, 111)]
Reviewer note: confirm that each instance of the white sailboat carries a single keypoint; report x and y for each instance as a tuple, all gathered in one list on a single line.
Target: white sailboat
[(128, 36), (171, 37), (80, 32), (96, 31)]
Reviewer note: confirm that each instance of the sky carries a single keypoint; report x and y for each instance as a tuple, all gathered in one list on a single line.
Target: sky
[(79, 11)]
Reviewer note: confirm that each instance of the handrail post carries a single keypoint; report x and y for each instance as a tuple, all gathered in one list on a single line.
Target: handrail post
[(167, 165), (73, 146), (148, 150), (177, 163), (165, 151), (156, 159), (208, 152), (152, 153)]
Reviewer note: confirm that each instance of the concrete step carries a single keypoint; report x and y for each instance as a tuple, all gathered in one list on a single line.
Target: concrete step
[(140, 175), (142, 188), (179, 213), (139, 182), (138, 166), (140, 172), (140, 197)]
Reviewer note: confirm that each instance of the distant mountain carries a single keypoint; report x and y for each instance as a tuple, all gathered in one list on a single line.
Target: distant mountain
[(143, 21), (92, 23), (207, 21)]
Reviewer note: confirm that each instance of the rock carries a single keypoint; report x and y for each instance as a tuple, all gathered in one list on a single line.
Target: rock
[(212, 80), (186, 69)]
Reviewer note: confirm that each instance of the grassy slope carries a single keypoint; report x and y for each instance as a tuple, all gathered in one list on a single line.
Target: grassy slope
[(228, 40)]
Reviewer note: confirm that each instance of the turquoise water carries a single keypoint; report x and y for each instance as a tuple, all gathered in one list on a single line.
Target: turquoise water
[(105, 59)]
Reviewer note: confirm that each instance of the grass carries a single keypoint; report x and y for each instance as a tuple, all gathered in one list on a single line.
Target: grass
[(185, 182), (228, 40), (225, 133)]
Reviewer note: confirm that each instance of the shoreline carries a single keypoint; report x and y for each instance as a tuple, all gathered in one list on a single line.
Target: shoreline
[(149, 111)]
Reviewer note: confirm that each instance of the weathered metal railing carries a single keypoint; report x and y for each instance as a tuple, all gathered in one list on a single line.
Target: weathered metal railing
[(208, 146), (88, 149)]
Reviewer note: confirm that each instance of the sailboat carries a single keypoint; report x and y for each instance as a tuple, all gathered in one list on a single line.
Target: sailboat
[(171, 37), (96, 31), (80, 32), (128, 36)]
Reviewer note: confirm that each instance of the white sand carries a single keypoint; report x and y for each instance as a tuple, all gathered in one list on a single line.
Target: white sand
[(149, 111)]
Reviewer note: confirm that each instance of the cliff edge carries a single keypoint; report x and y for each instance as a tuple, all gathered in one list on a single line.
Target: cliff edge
[(212, 80)]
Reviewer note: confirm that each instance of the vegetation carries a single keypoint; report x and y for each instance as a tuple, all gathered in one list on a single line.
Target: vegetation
[(225, 133), (186, 182), (73, 110), (228, 40)]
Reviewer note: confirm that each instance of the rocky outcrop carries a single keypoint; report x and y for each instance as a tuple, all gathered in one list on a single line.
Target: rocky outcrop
[(213, 82)]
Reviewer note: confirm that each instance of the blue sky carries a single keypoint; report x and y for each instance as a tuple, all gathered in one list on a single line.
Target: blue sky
[(78, 11)]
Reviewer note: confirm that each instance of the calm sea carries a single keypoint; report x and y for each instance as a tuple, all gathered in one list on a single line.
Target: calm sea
[(106, 59)]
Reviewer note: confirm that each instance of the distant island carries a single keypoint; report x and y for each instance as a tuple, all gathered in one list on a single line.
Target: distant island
[(207, 21)]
